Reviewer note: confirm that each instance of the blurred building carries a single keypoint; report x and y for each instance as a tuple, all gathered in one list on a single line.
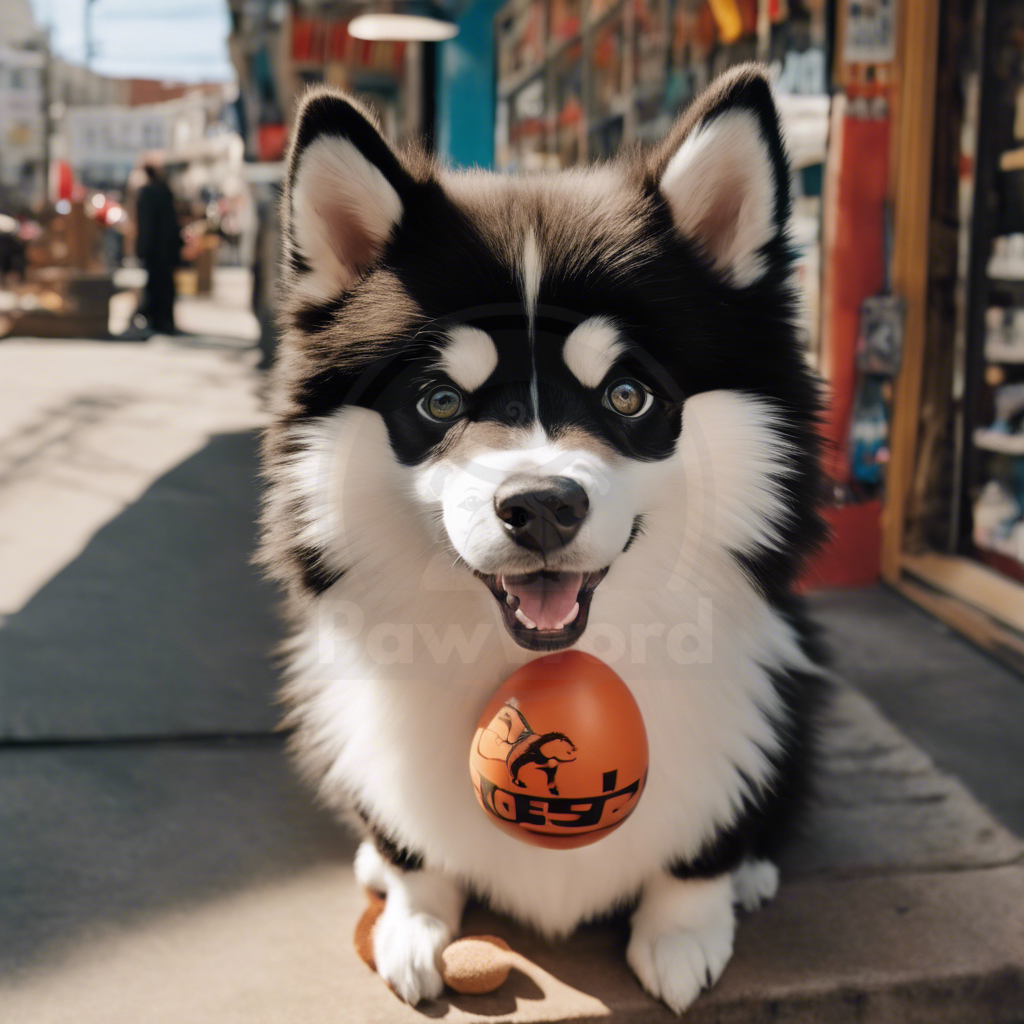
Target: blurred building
[(22, 125), (37, 90), (76, 85), (22, 96), (104, 142), (279, 49), (56, 113)]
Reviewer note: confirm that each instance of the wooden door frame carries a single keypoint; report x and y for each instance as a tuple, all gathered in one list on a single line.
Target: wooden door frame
[(970, 597), (917, 61)]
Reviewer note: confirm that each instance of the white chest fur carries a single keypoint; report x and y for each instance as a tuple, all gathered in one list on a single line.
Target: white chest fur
[(399, 734), (399, 658)]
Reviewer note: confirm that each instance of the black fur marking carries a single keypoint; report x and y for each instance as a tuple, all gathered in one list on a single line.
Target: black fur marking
[(328, 114), (321, 393), (637, 530), (381, 383), (318, 316), (400, 856), (298, 262), (773, 814), (315, 576)]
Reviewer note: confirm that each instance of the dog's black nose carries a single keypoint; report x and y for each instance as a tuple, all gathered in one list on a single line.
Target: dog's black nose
[(541, 513)]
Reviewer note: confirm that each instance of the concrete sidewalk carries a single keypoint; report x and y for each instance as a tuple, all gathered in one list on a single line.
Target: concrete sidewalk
[(193, 882), (87, 426), (160, 863)]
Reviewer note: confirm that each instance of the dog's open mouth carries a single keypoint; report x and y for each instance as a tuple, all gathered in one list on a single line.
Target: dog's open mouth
[(545, 610)]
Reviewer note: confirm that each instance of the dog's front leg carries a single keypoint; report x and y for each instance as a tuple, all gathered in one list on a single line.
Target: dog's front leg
[(682, 936), (421, 917)]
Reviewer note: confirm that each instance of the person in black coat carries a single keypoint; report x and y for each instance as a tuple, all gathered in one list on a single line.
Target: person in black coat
[(159, 247)]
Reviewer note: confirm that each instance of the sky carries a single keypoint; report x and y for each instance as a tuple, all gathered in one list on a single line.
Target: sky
[(180, 40)]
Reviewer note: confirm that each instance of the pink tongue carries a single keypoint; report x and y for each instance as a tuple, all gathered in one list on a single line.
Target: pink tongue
[(546, 600)]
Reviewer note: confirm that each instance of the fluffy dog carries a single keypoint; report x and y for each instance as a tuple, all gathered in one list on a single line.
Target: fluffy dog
[(521, 414)]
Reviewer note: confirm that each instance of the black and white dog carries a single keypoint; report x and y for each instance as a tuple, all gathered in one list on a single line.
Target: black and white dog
[(519, 414)]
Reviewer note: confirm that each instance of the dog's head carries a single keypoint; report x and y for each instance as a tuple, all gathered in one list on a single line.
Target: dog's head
[(510, 363)]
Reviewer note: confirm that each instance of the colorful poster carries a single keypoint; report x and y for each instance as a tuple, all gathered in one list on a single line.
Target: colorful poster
[(870, 36)]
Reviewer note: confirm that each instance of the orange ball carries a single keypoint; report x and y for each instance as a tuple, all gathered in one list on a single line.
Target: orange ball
[(559, 757)]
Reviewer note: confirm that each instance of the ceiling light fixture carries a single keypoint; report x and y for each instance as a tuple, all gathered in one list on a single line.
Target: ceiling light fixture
[(403, 21)]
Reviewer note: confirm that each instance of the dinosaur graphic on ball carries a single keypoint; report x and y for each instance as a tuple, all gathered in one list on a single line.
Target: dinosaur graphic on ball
[(509, 738), (559, 757)]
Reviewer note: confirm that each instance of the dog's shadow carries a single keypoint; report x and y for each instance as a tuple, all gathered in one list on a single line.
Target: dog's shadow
[(518, 986), (575, 978)]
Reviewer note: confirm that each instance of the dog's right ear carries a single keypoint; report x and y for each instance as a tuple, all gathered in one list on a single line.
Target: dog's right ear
[(724, 175), (346, 190)]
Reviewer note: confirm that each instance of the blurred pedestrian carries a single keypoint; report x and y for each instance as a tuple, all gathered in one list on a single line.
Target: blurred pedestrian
[(158, 245), (12, 249)]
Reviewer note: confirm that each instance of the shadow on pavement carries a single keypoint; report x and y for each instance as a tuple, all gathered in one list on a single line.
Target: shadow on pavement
[(161, 627), (98, 838), (136, 697)]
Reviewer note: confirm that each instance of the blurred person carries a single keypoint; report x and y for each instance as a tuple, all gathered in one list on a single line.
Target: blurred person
[(12, 249), (158, 246)]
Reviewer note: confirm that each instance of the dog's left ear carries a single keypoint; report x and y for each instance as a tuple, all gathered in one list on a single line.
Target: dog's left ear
[(347, 192), (724, 174)]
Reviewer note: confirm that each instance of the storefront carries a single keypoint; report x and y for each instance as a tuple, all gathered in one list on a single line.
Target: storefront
[(954, 517), (578, 79), (909, 224)]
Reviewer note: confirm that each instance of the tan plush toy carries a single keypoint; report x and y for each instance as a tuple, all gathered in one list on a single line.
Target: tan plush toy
[(472, 965), (476, 964)]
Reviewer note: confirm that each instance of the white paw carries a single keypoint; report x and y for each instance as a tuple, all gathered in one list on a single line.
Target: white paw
[(407, 950), (421, 917), (682, 937), (370, 868), (755, 882)]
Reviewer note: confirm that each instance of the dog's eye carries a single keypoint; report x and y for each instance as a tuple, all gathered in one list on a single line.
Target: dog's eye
[(628, 398), (442, 403)]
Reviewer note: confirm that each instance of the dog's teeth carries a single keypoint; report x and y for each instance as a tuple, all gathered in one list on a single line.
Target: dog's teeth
[(572, 615), (528, 623), (512, 601)]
